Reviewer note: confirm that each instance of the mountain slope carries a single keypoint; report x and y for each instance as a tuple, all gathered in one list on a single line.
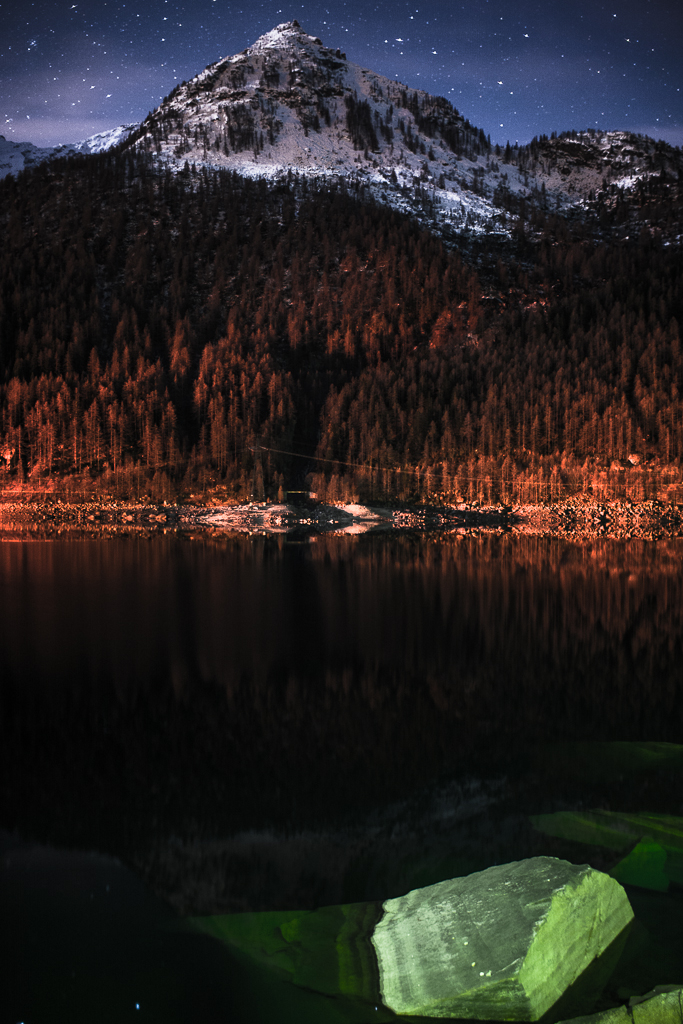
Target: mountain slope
[(625, 180), (165, 333)]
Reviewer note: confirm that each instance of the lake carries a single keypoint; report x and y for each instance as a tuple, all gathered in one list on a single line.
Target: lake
[(207, 724)]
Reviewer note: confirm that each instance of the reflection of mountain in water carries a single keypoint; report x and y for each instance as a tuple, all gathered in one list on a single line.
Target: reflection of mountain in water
[(444, 831), (450, 830), (159, 687)]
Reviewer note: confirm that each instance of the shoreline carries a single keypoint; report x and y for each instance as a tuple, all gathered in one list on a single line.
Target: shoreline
[(580, 516)]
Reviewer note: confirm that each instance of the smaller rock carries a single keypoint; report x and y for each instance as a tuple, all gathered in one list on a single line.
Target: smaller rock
[(644, 866), (664, 1005)]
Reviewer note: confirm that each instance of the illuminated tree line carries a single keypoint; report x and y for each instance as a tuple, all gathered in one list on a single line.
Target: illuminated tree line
[(159, 333)]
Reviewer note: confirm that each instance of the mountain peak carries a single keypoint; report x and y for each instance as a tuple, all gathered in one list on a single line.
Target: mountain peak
[(288, 39), (18, 156), (289, 33)]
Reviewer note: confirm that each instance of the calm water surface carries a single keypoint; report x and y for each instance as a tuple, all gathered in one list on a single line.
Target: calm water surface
[(217, 725)]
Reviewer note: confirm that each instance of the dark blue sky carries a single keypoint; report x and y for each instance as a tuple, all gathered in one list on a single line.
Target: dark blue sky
[(515, 68)]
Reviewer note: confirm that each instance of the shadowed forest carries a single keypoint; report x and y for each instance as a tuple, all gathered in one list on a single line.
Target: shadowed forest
[(164, 335)]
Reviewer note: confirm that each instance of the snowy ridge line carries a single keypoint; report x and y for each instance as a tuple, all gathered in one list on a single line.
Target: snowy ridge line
[(288, 103), (18, 156)]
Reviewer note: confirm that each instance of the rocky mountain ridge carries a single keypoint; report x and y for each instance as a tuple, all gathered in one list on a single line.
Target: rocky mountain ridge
[(290, 104)]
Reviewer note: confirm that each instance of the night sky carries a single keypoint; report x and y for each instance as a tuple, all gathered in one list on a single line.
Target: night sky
[(515, 68)]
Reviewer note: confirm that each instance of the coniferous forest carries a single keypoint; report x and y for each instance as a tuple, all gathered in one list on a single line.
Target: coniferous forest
[(165, 335)]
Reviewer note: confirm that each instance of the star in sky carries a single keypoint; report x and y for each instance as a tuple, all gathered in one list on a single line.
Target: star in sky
[(516, 68)]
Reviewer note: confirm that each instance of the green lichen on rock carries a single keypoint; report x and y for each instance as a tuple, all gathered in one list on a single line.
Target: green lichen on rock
[(594, 828), (501, 944)]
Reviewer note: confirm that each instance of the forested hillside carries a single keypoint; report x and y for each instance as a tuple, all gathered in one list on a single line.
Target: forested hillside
[(164, 334)]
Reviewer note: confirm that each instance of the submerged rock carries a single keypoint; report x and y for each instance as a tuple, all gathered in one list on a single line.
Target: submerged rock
[(501, 944), (662, 1006), (653, 843), (644, 866)]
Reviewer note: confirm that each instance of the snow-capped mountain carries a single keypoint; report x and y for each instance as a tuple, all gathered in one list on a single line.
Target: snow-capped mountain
[(290, 103), (16, 156)]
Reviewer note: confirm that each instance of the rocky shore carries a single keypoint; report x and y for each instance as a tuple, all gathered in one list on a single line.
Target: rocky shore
[(577, 517)]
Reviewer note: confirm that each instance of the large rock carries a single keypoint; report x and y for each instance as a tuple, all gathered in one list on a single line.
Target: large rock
[(501, 944)]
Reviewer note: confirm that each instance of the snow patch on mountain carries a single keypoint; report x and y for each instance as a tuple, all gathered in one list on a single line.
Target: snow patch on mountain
[(287, 34), (18, 156), (15, 156), (103, 141)]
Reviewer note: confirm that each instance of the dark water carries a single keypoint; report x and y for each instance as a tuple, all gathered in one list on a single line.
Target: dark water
[(255, 724)]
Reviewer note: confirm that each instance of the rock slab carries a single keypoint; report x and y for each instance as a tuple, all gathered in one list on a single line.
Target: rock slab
[(500, 944)]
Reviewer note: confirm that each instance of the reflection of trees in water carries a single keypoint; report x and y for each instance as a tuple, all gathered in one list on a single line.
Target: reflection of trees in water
[(253, 680)]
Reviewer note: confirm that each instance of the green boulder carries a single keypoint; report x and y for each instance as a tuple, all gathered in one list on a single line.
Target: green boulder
[(501, 944)]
